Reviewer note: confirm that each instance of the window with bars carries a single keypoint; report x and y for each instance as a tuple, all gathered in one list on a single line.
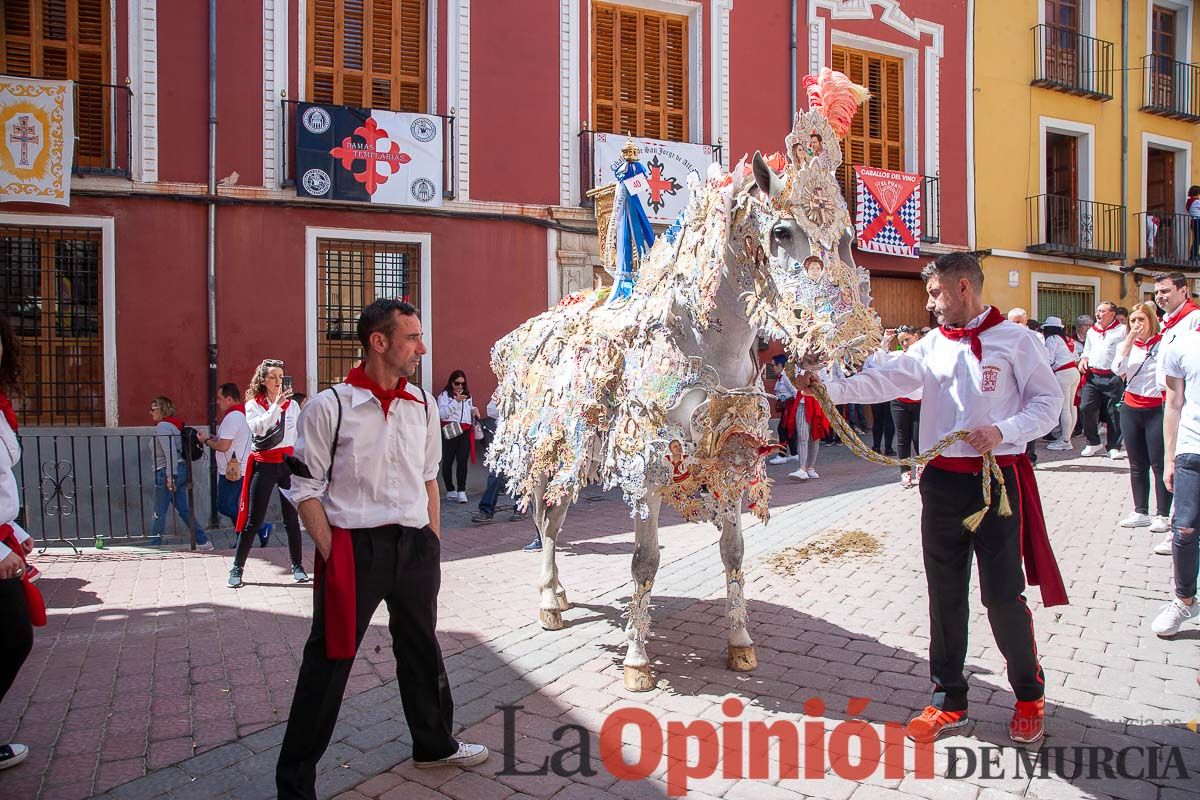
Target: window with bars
[(1065, 301), (639, 72), (352, 275), (367, 53), (50, 293), (65, 40), (876, 137)]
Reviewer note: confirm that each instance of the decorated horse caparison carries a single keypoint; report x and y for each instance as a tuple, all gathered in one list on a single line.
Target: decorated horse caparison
[(658, 392)]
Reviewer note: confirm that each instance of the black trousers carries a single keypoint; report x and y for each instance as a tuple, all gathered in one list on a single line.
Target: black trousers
[(1106, 391), (401, 567), (1142, 429), (946, 499), (264, 481), (882, 427), (16, 632), (907, 419), (456, 453)]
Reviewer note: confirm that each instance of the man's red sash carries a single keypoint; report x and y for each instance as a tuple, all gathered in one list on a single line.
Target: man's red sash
[(336, 581)]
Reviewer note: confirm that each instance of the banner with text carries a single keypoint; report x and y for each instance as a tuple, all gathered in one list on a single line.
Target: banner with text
[(888, 218), (667, 166), (38, 124)]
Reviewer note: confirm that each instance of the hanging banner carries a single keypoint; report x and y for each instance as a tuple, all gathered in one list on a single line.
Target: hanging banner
[(38, 125), (368, 156), (888, 219), (667, 166)]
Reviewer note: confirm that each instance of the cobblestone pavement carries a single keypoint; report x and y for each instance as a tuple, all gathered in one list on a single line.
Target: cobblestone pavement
[(154, 680)]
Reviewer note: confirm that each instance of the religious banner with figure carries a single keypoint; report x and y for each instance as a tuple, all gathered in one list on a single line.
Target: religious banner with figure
[(38, 125), (888, 218), (368, 156), (667, 167)]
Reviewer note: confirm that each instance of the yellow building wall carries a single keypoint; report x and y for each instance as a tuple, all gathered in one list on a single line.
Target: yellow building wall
[(1008, 144)]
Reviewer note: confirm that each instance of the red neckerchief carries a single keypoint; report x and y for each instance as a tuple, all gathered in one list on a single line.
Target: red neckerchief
[(238, 407), (1179, 314), (6, 410), (1144, 343), (261, 399), (176, 421), (1114, 324), (358, 377), (990, 320)]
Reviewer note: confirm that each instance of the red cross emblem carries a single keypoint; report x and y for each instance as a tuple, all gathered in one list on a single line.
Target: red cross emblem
[(25, 134), (380, 164), (660, 184)]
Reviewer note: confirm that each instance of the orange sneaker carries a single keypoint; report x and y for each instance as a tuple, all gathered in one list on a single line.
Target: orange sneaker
[(933, 722), (1028, 722)]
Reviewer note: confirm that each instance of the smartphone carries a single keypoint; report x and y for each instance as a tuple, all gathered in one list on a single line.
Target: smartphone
[(287, 383)]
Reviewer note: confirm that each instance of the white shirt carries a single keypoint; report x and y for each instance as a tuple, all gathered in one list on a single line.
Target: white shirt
[(451, 410), (262, 420), (1101, 348), (233, 429), (784, 390), (10, 499), (881, 357), (381, 466), (1012, 387), (1060, 354), (1189, 323), (1145, 373), (1181, 359)]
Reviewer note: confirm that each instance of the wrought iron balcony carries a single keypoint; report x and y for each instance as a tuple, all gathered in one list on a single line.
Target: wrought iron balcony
[(1067, 226), (1167, 240), (1070, 62), (1171, 88), (103, 129)]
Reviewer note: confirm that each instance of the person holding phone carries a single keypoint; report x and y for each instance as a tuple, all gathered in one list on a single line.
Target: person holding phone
[(458, 439), (272, 417)]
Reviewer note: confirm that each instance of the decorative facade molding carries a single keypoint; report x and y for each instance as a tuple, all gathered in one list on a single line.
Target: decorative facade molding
[(143, 74), (720, 77), (431, 50), (458, 95), (275, 63), (569, 162)]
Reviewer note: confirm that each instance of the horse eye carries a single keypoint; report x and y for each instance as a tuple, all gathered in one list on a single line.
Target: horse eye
[(781, 233)]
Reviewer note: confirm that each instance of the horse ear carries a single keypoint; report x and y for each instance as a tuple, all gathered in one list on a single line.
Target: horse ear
[(768, 182)]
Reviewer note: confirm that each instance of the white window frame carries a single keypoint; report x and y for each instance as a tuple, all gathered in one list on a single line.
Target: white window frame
[(1036, 279), (1183, 166), (912, 96), (108, 291), (1087, 16), (1085, 153), (1183, 27), (422, 240)]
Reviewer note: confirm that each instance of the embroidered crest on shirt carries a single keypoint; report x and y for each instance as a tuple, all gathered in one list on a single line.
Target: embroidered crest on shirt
[(991, 374)]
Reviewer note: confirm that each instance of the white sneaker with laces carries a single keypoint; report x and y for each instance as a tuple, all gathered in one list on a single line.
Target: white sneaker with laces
[(799, 475), (467, 755), (1160, 525), (205, 545), (778, 459), (1172, 616), (1060, 445), (462, 497), (1116, 455), (12, 754), (1091, 450), (812, 473), (1136, 520), (1165, 547)]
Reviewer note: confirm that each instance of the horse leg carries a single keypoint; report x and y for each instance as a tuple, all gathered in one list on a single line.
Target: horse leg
[(741, 648), (638, 676), (552, 600)]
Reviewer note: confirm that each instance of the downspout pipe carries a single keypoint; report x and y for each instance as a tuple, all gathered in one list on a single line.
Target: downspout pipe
[(792, 72), (212, 249), (1125, 137)]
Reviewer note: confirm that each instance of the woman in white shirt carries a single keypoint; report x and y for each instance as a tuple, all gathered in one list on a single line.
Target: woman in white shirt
[(1063, 360), (1142, 419), (454, 406), (272, 417)]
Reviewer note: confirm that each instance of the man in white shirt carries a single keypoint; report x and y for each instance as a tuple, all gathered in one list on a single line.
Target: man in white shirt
[(1101, 386), (1181, 474), (231, 444), (980, 373), (365, 483), (1180, 314)]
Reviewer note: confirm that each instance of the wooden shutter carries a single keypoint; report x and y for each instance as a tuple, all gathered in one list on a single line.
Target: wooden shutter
[(64, 40), (367, 53), (639, 72), (876, 137)]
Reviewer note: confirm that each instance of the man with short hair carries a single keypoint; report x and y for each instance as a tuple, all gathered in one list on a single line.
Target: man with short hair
[(980, 373), (1180, 313), (231, 445), (1101, 385), (365, 484)]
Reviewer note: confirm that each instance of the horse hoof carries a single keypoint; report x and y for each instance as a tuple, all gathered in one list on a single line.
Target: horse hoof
[(551, 619), (639, 679), (742, 659), (563, 603)]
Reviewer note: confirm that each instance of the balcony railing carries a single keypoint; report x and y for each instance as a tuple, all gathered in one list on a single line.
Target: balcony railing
[(931, 208), (1171, 88), (587, 164), (287, 146), (1070, 62), (1167, 240), (1067, 226)]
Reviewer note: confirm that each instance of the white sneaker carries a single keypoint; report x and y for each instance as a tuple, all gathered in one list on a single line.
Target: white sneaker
[(1116, 455), (205, 545), (12, 754), (462, 497), (1135, 520), (467, 755), (799, 475), (1091, 450), (812, 473), (1060, 445), (778, 460), (1165, 547), (1160, 525), (906, 479), (1172, 616)]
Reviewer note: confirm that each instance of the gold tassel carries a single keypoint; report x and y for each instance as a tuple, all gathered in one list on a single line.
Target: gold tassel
[(973, 522), (1005, 506)]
